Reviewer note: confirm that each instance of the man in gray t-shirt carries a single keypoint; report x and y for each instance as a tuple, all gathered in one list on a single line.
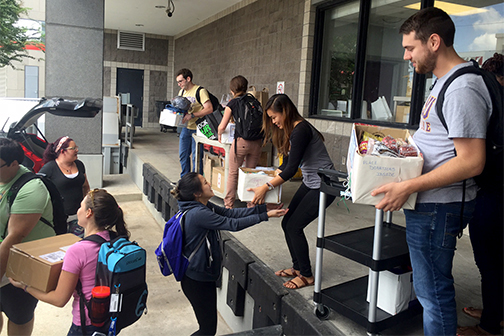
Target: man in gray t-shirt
[(431, 229)]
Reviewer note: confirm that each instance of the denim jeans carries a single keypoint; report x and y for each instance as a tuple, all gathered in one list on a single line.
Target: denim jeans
[(187, 146), (431, 233)]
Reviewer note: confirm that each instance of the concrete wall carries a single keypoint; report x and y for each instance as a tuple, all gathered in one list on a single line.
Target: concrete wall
[(74, 68), (156, 61), (261, 41)]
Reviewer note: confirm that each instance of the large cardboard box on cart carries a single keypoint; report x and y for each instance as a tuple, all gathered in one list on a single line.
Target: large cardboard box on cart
[(38, 263), (367, 172)]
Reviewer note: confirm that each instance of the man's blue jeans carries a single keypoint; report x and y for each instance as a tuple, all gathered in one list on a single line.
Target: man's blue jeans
[(187, 145), (431, 233)]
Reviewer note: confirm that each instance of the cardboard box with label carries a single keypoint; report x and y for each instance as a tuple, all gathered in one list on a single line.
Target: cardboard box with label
[(395, 291), (38, 263), (218, 176), (209, 161), (368, 172), (251, 178)]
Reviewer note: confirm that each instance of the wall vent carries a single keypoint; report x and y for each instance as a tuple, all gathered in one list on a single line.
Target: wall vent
[(131, 41)]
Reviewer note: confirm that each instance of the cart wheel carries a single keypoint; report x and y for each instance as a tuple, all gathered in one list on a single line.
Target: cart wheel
[(322, 314)]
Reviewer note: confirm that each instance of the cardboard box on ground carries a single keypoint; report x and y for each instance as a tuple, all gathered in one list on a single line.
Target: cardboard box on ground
[(395, 290), (251, 178), (368, 172), (38, 263)]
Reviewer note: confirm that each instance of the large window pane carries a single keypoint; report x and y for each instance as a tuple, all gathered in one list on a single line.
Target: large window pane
[(338, 60), (388, 78)]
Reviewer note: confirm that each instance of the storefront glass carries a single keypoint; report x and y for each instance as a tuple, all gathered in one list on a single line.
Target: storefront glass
[(388, 78)]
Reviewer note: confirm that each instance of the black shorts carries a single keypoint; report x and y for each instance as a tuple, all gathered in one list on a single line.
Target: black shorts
[(18, 305)]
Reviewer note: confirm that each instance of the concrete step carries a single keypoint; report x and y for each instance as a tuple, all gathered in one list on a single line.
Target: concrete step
[(122, 187)]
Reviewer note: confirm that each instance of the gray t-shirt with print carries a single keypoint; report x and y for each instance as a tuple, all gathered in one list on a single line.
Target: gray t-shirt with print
[(466, 108)]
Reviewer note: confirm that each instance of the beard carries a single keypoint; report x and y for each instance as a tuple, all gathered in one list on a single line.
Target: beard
[(428, 64)]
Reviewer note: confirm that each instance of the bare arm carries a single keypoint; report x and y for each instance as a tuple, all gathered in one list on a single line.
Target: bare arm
[(207, 109), (59, 297), (85, 186), (225, 120), (260, 192), (469, 162), (19, 226)]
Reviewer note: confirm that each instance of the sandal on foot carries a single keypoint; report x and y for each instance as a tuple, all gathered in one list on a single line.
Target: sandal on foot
[(287, 273), (473, 312), (304, 283), (471, 331)]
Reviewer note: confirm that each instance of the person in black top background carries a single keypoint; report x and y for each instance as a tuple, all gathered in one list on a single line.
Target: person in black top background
[(301, 146), (68, 175)]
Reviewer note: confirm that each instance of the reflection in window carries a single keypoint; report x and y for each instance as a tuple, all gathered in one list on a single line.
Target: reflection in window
[(388, 78), (338, 60)]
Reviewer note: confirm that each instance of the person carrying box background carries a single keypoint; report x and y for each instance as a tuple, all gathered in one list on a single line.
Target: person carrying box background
[(187, 145), (21, 223), (432, 227)]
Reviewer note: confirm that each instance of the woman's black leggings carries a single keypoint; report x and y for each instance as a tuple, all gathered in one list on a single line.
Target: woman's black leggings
[(203, 298), (303, 209)]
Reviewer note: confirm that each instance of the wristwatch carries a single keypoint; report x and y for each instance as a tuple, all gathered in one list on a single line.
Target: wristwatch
[(270, 186)]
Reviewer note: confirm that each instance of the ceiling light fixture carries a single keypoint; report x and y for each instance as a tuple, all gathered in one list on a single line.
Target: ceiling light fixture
[(170, 8)]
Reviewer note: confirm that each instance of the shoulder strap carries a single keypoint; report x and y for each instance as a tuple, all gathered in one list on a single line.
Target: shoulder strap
[(198, 97), (16, 186), (182, 224), (440, 99), (13, 191)]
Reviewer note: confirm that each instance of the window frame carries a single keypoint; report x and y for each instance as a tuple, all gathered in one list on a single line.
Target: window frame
[(418, 88)]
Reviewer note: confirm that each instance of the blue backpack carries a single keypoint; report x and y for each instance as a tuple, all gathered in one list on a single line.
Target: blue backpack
[(170, 252), (121, 266)]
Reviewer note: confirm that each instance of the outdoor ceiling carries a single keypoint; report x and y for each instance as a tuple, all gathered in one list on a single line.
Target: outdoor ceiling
[(127, 15)]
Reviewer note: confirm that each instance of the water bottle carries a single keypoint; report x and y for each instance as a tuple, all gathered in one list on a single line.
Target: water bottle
[(100, 303)]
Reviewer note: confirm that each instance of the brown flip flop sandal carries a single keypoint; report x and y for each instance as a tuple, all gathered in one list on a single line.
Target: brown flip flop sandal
[(296, 286), (287, 273)]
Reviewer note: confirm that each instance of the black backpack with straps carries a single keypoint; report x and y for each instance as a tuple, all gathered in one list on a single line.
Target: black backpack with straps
[(492, 175), (216, 106), (249, 118), (59, 216)]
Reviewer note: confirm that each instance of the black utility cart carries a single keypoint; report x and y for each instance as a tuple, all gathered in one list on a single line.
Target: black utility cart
[(380, 247)]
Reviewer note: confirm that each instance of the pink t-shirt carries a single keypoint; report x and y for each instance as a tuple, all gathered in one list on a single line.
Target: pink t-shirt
[(81, 258)]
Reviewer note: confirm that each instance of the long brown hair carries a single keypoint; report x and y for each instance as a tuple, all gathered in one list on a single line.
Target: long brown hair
[(107, 213), (280, 103)]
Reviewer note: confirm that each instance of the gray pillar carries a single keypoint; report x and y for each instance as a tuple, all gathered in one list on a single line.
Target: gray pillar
[(74, 69)]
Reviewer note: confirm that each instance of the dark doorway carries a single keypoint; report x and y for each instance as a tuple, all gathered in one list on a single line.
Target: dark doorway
[(131, 81)]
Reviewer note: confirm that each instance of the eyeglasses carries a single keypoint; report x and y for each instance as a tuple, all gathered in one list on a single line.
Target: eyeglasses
[(73, 148), (181, 81)]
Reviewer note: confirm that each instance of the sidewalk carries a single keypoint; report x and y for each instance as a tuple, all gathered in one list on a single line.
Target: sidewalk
[(169, 313)]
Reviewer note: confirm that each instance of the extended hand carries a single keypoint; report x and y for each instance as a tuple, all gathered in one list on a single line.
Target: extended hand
[(277, 212), (396, 194)]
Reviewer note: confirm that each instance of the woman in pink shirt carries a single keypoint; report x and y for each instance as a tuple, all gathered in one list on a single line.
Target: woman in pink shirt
[(98, 214)]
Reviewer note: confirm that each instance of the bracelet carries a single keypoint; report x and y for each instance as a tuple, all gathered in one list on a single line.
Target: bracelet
[(270, 186)]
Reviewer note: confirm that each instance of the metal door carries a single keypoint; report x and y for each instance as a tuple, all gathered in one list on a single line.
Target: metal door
[(132, 81)]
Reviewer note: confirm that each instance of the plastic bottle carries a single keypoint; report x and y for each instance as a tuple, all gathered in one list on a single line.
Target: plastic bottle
[(100, 303)]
